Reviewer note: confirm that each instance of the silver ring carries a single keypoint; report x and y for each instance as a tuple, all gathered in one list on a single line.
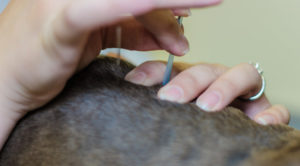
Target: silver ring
[(263, 87)]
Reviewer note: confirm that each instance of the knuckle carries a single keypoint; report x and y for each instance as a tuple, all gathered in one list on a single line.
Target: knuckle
[(203, 68), (61, 57), (252, 76), (195, 77), (219, 69), (189, 76), (230, 85), (250, 70), (151, 68)]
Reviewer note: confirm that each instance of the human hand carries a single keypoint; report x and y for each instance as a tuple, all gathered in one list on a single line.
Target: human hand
[(59, 37), (43, 43), (213, 87)]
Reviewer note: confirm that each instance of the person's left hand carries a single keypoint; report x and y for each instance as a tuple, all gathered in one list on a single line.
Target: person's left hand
[(213, 87)]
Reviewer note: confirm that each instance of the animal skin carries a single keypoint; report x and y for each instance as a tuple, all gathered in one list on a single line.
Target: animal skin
[(102, 120)]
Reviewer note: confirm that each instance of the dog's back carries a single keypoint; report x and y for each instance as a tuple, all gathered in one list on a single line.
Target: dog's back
[(100, 119)]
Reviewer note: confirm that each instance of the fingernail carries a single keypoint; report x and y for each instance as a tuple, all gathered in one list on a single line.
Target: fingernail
[(183, 46), (265, 120), (186, 12), (136, 77), (186, 51), (171, 93), (209, 101)]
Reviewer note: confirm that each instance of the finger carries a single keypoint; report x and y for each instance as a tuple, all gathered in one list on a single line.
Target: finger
[(83, 15), (166, 30), (277, 114), (242, 80), (182, 12), (149, 73), (134, 36), (190, 83), (152, 72), (87, 11), (252, 108), (163, 33)]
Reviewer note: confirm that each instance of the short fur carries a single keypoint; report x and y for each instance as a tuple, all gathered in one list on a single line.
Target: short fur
[(102, 120)]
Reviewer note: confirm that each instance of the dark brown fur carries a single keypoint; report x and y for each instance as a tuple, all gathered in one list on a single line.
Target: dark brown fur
[(102, 120)]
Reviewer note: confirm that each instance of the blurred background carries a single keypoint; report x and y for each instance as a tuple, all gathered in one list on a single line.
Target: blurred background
[(239, 31)]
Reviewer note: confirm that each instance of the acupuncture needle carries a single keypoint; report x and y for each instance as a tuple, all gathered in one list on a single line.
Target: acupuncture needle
[(119, 43), (168, 71)]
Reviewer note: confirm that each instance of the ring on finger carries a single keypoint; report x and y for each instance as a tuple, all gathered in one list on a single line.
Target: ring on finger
[(263, 87)]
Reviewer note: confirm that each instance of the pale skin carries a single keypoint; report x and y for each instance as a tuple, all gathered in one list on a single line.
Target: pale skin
[(43, 43), (213, 87)]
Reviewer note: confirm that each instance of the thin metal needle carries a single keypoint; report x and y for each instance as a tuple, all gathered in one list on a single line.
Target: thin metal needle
[(119, 43), (168, 71)]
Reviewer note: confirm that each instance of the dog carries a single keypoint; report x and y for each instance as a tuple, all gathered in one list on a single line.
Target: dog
[(102, 120)]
